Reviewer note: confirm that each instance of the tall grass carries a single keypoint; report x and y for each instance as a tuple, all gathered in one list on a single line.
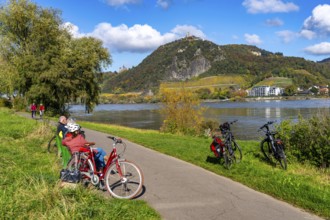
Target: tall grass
[(301, 185), (29, 183)]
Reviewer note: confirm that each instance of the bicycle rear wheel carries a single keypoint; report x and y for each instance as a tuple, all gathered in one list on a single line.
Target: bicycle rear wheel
[(281, 157), (81, 163), (126, 186), (52, 147)]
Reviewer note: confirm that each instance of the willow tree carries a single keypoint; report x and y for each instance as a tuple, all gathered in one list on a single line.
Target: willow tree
[(51, 66)]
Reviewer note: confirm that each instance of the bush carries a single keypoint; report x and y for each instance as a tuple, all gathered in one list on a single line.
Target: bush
[(181, 111), (308, 140), (5, 103)]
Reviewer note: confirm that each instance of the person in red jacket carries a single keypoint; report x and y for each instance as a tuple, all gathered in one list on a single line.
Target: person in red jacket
[(74, 141), (33, 109), (41, 110)]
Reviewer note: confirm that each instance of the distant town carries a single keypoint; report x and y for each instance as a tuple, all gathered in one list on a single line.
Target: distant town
[(262, 91)]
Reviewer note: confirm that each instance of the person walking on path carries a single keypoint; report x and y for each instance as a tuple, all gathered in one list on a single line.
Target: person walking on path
[(33, 109), (41, 110)]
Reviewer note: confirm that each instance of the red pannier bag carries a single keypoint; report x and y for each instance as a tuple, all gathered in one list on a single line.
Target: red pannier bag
[(217, 146)]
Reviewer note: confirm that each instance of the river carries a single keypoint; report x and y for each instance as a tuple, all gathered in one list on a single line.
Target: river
[(249, 115)]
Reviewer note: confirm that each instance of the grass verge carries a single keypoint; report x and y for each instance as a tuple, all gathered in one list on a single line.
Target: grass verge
[(29, 183), (301, 185)]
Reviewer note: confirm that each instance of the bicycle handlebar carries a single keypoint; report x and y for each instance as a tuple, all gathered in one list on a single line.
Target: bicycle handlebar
[(267, 125), (231, 122), (116, 140)]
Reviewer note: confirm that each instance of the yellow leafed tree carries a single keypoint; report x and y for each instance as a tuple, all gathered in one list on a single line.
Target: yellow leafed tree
[(181, 110)]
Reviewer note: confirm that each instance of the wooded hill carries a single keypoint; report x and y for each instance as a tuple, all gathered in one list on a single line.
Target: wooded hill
[(192, 58)]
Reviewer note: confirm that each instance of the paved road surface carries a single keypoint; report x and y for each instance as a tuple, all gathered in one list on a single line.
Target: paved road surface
[(179, 190)]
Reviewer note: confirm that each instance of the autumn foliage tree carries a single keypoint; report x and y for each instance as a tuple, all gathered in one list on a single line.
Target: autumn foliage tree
[(181, 110)]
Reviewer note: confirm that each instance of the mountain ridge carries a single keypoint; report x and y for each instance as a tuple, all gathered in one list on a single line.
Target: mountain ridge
[(191, 57)]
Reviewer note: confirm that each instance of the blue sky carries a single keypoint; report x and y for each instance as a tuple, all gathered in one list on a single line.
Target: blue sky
[(133, 29)]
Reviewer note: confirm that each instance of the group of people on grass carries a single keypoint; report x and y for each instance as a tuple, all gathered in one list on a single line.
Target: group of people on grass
[(34, 109), (72, 137)]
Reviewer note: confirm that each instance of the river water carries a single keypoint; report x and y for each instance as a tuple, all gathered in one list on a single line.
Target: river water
[(249, 115)]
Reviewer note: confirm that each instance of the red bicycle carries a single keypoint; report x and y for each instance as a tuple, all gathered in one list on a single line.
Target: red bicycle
[(123, 179)]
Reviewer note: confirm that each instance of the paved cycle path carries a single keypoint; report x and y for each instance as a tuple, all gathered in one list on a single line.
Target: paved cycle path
[(179, 190)]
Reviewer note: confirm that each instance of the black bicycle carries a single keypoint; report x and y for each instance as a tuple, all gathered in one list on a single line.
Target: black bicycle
[(233, 152), (272, 147), (52, 146)]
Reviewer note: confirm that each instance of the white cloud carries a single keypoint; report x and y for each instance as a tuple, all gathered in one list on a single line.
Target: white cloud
[(319, 21), (319, 49), (269, 6), (73, 29), (165, 4), (287, 36), (252, 39), (308, 34), (274, 22), (138, 38), (118, 3)]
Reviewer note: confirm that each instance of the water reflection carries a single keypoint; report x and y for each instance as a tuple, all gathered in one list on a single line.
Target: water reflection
[(250, 115)]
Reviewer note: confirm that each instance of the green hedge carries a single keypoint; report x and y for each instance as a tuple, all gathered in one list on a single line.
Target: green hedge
[(308, 140)]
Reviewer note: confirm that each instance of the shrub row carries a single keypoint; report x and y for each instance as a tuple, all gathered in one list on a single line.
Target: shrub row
[(308, 140)]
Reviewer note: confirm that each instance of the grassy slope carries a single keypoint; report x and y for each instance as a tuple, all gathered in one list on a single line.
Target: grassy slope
[(300, 185), (211, 82), (29, 183), (276, 81)]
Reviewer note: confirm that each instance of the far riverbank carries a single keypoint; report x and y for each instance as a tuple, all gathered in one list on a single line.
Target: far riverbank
[(250, 114)]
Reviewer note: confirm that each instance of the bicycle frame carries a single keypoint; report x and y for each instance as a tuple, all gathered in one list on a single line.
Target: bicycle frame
[(122, 178), (113, 158), (270, 137)]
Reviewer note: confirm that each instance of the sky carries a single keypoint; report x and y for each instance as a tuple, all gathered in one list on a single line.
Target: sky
[(133, 29)]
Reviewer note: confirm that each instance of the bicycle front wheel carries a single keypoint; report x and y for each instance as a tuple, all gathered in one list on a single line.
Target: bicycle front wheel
[(238, 152), (126, 185), (228, 159), (266, 150), (52, 147)]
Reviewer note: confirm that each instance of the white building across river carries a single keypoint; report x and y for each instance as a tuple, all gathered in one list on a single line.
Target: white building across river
[(265, 91)]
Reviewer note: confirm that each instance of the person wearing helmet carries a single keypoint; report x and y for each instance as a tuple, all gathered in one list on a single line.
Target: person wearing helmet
[(75, 141)]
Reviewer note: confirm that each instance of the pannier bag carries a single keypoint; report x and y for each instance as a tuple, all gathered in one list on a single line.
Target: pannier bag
[(217, 147), (279, 142), (70, 176)]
